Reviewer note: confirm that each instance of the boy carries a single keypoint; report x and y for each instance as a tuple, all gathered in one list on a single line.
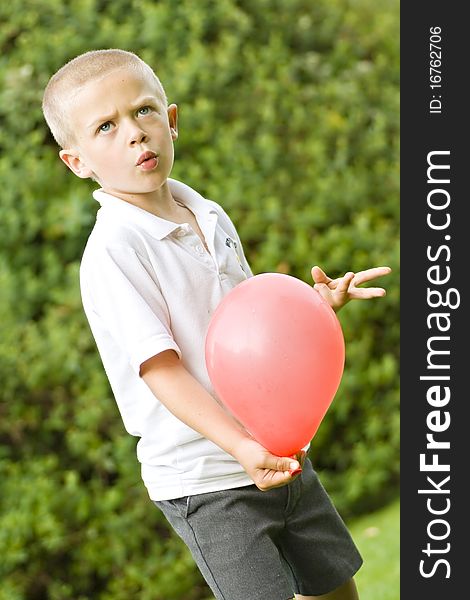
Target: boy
[(157, 263)]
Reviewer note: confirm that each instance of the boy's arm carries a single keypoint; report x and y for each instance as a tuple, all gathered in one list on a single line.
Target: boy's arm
[(338, 292), (189, 401)]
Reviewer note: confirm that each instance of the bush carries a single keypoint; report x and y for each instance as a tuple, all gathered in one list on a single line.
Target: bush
[(289, 118)]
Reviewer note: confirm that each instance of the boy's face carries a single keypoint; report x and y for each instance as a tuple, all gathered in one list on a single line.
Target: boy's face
[(124, 134)]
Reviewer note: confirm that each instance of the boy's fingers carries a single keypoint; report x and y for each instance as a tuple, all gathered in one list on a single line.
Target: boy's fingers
[(369, 274), (277, 471), (366, 293), (345, 282), (284, 464), (289, 464), (300, 457), (273, 480), (319, 276)]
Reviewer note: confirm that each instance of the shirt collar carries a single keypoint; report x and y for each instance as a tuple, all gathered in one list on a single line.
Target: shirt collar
[(157, 227)]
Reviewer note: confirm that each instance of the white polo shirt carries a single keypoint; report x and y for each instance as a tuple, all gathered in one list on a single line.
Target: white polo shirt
[(149, 285)]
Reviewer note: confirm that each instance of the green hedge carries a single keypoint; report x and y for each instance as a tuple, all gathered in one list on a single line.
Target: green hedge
[(289, 118)]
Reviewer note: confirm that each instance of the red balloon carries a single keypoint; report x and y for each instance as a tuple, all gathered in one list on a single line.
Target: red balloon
[(275, 356)]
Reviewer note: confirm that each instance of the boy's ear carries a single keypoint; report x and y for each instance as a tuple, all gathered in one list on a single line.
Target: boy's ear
[(75, 164), (173, 121)]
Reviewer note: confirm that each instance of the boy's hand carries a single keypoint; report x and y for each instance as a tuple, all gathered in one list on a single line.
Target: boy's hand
[(338, 292), (265, 469)]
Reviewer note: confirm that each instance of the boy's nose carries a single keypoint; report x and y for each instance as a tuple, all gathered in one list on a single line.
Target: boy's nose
[(137, 136)]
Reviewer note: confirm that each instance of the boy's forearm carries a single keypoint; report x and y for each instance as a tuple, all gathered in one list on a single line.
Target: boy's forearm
[(190, 402)]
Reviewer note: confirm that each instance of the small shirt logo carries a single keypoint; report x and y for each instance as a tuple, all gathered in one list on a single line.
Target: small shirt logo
[(233, 244)]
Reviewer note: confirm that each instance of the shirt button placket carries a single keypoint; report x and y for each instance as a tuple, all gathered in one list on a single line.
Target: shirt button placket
[(181, 231)]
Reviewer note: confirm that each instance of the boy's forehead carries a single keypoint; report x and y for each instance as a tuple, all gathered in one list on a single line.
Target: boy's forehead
[(121, 85)]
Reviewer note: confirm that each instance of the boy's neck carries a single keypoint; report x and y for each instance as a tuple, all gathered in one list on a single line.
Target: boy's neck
[(159, 202)]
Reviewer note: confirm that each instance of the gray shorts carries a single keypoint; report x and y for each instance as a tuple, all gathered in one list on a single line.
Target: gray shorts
[(253, 545)]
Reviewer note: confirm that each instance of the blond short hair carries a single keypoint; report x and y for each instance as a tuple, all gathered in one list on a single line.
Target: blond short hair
[(74, 74)]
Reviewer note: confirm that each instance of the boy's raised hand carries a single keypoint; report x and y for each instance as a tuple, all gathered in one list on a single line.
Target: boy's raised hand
[(338, 292)]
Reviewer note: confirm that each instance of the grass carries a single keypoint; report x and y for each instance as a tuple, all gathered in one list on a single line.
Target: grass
[(378, 538)]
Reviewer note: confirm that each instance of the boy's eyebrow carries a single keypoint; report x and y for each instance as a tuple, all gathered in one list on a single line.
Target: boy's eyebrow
[(144, 100), (100, 120)]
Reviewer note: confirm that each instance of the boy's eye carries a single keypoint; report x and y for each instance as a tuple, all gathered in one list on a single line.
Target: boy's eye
[(105, 127), (144, 110)]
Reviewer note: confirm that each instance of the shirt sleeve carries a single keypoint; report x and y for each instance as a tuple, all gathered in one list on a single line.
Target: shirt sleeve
[(122, 298)]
